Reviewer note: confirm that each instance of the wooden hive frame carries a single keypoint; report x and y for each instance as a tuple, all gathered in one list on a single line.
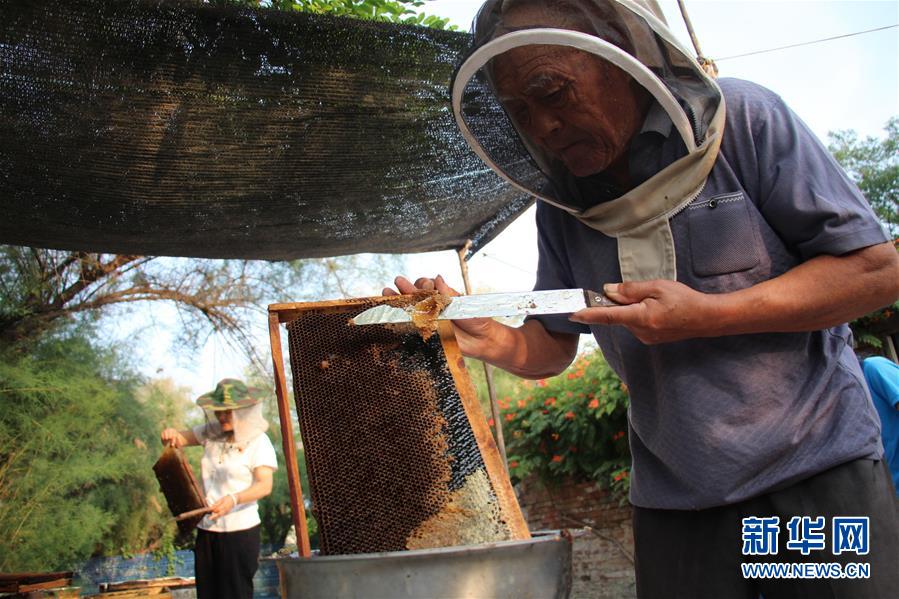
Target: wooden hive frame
[(284, 314)]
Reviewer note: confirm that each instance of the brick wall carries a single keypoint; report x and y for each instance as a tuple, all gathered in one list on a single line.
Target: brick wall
[(602, 565)]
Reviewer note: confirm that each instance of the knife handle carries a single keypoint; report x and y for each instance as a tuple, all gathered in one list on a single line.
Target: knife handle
[(595, 299)]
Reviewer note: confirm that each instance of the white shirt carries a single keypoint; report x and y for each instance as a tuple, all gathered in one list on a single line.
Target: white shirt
[(227, 469)]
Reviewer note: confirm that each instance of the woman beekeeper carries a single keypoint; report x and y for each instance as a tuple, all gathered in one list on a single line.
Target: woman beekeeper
[(237, 466)]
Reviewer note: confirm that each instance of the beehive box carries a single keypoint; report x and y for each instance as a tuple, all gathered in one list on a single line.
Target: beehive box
[(398, 452)]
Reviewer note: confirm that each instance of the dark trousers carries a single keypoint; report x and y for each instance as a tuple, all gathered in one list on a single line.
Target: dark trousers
[(698, 554), (225, 562)]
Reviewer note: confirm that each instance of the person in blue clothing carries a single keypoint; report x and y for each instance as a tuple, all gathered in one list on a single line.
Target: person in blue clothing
[(738, 250), (882, 376)]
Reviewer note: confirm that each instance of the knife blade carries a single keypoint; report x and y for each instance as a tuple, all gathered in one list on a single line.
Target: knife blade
[(556, 301)]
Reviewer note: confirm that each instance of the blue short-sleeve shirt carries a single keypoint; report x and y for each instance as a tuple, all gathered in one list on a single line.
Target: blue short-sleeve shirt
[(718, 420), (882, 377)]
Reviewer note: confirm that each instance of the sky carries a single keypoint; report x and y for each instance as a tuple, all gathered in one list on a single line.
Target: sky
[(848, 83)]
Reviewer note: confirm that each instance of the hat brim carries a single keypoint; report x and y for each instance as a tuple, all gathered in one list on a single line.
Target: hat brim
[(208, 402)]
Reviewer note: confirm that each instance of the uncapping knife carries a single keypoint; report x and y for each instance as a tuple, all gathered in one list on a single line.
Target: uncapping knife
[(557, 301)]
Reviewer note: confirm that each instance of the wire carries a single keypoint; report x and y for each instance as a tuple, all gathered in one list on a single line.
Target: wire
[(826, 39), (509, 264)]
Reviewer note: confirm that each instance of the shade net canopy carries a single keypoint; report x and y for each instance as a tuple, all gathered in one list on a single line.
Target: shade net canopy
[(188, 129)]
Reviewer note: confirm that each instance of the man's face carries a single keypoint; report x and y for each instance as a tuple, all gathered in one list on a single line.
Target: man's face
[(575, 106)]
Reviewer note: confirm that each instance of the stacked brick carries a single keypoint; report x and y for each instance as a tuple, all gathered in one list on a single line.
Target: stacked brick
[(603, 555)]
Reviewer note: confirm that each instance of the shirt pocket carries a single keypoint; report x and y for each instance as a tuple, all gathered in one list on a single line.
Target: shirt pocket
[(723, 238)]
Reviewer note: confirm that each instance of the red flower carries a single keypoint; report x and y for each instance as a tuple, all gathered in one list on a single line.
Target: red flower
[(555, 436), (569, 415), (550, 402), (541, 383), (594, 403), (513, 464), (522, 403), (572, 448), (557, 458), (490, 422), (510, 416)]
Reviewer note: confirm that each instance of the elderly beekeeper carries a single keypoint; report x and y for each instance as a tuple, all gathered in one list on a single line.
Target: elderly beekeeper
[(237, 467), (738, 250)]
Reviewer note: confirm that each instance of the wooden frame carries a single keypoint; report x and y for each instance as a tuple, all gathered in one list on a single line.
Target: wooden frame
[(287, 312), (297, 509)]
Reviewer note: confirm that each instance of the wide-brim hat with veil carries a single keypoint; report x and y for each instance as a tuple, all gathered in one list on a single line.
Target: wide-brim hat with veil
[(631, 35), (245, 404)]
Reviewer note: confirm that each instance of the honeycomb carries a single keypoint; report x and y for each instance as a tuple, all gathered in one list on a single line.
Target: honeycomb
[(392, 460)]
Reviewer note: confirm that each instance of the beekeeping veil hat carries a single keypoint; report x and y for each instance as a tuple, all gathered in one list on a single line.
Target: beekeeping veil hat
[(632, 36), (245, 405)]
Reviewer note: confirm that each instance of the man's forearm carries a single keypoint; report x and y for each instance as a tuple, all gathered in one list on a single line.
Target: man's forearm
[(528, 351), (820, 293)]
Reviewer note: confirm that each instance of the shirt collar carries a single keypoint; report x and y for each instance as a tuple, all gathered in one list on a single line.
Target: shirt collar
[(657, 121)]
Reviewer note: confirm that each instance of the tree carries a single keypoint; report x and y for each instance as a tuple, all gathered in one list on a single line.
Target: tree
[(873, 164), (395, 11), (43, 290), (76, 452)]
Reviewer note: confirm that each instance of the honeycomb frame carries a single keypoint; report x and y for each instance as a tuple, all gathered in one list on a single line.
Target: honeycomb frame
[(398, 451)]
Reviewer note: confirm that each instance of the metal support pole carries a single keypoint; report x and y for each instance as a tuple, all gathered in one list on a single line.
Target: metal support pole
[(488, 369)]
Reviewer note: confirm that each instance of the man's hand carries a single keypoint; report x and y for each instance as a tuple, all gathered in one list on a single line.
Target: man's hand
[(820, 293), (529, 351), (657, 311), (472, 334)]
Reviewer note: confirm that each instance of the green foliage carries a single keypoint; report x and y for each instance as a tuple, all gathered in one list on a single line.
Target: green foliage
[(570, 426), (394, 11), (870, 329), (873, 164), (75, 468)]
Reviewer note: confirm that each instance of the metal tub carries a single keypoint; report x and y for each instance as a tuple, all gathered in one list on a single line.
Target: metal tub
[(538, 568)]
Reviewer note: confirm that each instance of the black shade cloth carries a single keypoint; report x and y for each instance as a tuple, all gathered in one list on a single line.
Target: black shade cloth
[(188, 129)]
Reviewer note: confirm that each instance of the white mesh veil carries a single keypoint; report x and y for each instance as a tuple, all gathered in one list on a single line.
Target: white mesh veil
[(248, 424), (628, 36)]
